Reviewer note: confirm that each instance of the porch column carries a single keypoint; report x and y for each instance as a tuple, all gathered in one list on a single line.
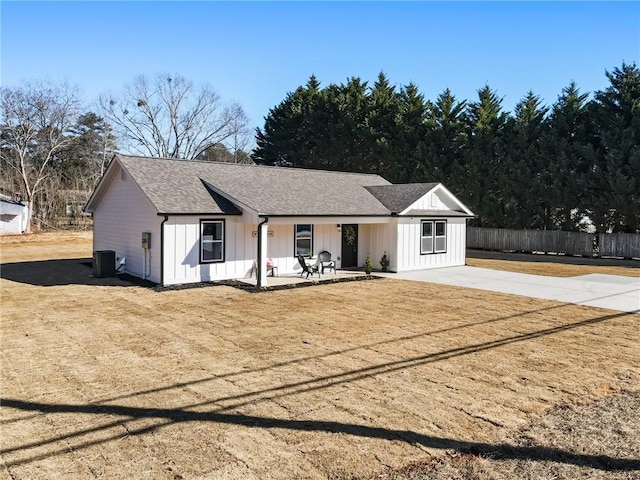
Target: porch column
[(261, 261)]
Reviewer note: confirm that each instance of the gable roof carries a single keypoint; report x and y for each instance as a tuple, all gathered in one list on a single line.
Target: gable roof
[(225, 205), (11, 207), (186, 187), (400, 196)]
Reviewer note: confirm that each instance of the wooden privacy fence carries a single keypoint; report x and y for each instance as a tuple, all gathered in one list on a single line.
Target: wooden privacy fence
[(625, 245)]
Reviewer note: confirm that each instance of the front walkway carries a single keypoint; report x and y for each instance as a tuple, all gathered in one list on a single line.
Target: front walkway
[(596, 290)]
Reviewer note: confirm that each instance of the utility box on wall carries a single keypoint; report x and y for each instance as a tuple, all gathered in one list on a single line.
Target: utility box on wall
[(146, 240), (104, 263)]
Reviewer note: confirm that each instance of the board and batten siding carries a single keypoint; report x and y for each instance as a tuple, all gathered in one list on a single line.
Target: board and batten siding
[(281, 248), (326, 237), (123, 213), (408, 249), (375, 240), (430, 201), (410, 230), (182, 249)]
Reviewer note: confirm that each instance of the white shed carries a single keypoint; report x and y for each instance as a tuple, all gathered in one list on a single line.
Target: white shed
[(13, 217)]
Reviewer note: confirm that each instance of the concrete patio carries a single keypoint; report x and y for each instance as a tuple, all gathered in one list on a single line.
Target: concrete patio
[(294, 279)]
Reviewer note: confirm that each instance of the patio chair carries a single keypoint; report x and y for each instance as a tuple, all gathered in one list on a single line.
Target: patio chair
[(324, 259), (309, 269), (271, 267)]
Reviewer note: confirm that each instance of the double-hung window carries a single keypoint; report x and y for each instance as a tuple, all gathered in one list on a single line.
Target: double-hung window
[(303, 239), (426, 237), (211, 241), (433, 236)]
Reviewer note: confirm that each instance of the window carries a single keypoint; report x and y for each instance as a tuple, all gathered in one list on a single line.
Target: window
[(433, 237), (211, 241), (303, 239), (441, 236), (426, 241)]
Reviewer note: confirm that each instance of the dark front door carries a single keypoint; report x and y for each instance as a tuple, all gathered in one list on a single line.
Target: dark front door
[(349, 245)]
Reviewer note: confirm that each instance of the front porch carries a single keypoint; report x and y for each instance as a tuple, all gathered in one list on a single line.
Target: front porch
[(293, 280), (348, 240)]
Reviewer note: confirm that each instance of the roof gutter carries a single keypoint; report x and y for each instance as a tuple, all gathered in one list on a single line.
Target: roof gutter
[(259, 258), (197, 214), (337, 215), (166, 217)]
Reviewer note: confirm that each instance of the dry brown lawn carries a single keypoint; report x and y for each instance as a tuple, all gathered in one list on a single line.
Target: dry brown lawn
[(102, 379)]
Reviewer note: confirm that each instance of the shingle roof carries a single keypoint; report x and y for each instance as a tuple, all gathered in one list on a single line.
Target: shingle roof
[(400, 196), (10, 207), (178, 187)]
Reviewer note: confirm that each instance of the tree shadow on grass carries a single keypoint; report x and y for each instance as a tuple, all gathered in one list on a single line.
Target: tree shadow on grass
[(168, 416), (75, 271)]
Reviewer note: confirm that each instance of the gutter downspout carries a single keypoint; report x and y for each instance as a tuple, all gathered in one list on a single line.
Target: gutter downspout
[(259, 256), (166, 217)]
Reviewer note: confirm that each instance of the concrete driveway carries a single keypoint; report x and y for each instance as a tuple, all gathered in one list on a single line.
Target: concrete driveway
[(596, 290)]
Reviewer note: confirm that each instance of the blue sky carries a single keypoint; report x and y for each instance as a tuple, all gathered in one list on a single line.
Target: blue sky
[(256, 52)]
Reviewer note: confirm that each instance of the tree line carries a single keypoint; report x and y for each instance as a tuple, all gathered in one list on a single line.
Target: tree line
[(537, 167), (53, 150)]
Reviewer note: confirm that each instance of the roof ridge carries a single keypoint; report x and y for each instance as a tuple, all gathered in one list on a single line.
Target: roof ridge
[(254, 165)]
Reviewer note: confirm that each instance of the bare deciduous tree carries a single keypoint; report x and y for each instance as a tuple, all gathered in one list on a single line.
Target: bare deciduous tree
[(35, 119), (170, 117)]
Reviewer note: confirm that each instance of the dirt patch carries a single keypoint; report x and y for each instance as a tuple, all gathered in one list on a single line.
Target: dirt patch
[(347, 380)]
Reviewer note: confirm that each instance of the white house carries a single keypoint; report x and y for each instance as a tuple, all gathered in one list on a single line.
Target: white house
[(179, 221), (13, 217)]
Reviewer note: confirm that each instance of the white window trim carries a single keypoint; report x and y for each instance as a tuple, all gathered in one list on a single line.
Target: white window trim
[(221, 241), (422, 237), (296, 238), (436, 236), (433, 237)]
